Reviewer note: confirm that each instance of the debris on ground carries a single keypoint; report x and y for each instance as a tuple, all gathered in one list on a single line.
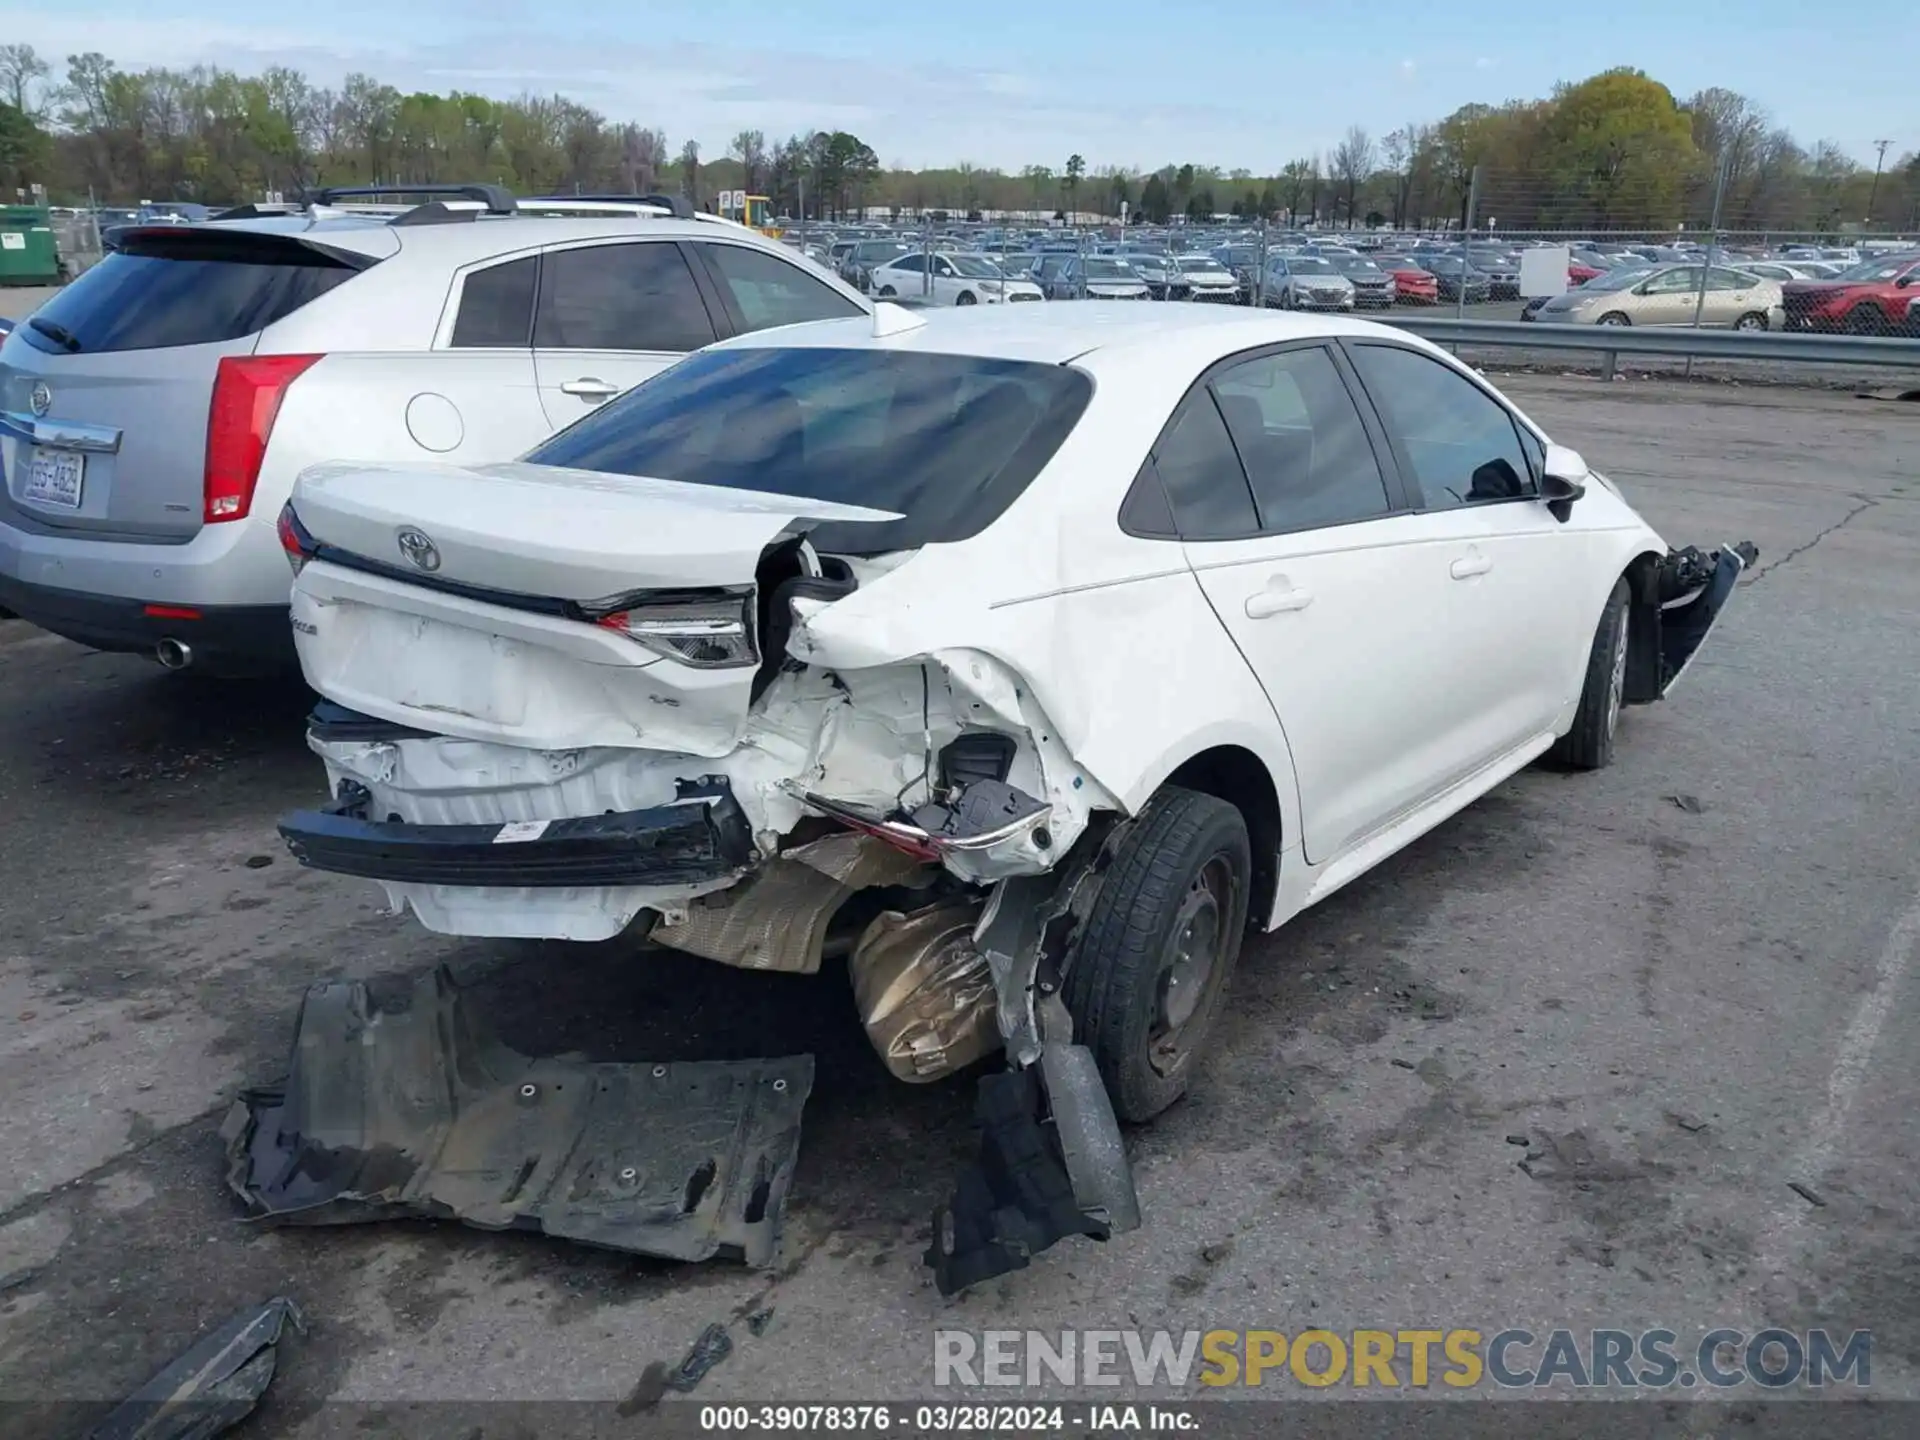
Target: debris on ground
[(1808, 1194), (1402, 1064), (1692, 804), (759, 1322), (211, 1387), (1051, 1165), (1518, 1140), (401, 1102), (1687, 1121), (711, 1347), (1216, 1252)]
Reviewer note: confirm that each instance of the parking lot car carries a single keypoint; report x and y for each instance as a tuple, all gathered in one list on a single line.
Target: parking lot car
[(1096, 277), (1871, 298), (154, 413), (1669, 295), (950, 278), (1374, 287), (1454, 279), (1305, 282), (1413, 284), (1204, 279), (856, 268), (813, 641)]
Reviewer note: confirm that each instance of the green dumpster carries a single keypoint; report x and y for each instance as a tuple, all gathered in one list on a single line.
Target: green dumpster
[(27, 252)]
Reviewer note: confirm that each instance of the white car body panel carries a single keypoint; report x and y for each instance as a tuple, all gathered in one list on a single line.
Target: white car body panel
[(1111, 659)]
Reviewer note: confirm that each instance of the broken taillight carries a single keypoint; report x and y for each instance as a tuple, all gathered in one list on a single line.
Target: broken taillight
[(709, 629), (247, 391), (294, 539)]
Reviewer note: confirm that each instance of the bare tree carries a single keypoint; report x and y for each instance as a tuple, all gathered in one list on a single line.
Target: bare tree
[(21, 72), (690, 170), (643, 156), (1353, 165), (750, 149)]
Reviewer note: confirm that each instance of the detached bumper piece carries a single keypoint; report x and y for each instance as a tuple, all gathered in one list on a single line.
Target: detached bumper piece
[(1693, 589), (695, 840), (1051, 1165), (401, 1103)]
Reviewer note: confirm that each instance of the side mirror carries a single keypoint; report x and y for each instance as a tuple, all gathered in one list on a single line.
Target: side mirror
[(1563, 480)]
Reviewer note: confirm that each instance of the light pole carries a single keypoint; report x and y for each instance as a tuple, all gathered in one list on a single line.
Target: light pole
[(1873, 190)]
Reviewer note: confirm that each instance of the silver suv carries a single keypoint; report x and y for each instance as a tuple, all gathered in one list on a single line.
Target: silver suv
[(154, 414)]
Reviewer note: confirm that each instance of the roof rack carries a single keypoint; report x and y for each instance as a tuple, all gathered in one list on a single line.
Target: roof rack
[(495, 198), (677, 206)]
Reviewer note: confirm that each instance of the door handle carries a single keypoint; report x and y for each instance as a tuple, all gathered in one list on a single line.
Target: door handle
[(587, 387), (1470, 566), (1263, 603)]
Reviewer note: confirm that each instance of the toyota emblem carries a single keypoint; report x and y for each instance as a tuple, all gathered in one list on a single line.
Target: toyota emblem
[(40, 398), (418, 549)]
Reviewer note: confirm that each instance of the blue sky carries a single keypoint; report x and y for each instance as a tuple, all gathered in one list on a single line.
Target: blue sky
[(1123, 82)]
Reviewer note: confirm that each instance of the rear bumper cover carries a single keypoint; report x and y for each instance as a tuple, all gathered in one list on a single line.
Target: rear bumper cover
[(227, 637), (703, 837)]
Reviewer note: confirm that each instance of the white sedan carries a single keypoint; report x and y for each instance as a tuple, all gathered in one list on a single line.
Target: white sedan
[(956, 279), (1030, 661)]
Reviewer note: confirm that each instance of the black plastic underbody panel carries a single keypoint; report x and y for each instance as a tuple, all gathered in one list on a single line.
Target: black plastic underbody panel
[(401, 1102)]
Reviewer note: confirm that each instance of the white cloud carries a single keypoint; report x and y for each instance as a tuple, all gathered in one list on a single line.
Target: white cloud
[(1483, 63)]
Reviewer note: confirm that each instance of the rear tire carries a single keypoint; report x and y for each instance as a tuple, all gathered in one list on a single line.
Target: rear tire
[(1752, 320), (1154, 959), (887, 292), (965, 297), (1864, 319), (1589, 744)]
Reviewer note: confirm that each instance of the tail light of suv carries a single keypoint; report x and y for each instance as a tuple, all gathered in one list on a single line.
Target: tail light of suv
[(247, 391)]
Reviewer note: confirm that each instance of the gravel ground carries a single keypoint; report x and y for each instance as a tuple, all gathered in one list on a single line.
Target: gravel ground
[(1682, 1007)]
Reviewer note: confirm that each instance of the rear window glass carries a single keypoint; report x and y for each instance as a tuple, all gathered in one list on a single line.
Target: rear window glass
[(946, 441), (153, 302)]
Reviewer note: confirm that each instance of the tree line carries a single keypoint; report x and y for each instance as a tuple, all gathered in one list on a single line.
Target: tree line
[(1615, 151)]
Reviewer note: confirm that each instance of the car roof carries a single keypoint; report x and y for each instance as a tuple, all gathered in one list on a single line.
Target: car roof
[(1056, 334), (459, 243)]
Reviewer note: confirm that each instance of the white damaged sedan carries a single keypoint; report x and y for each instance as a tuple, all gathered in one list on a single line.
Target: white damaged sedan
[(1027, 658)]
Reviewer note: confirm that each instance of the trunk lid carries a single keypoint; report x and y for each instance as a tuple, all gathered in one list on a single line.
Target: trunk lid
[(463, 601), (109, 384), (541, 531)]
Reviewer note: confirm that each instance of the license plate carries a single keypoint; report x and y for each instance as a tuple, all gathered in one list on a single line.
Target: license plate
[(54, 478)]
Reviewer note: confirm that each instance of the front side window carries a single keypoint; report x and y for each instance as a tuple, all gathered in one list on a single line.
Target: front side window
[(634, 296), (1301, 440), (1460, 443)]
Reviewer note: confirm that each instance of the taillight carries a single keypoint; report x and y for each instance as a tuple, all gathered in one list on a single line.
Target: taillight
[(711, 629), (294, 538), (247, 391)]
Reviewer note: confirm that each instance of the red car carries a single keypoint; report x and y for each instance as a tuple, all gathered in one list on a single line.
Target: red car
[(1873, 298), (1578, 274), (1411, 284)]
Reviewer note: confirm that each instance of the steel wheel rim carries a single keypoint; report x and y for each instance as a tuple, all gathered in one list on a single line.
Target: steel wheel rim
[(1190, 968)]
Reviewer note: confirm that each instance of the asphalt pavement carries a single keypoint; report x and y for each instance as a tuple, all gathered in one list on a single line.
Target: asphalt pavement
[(1682, 986)]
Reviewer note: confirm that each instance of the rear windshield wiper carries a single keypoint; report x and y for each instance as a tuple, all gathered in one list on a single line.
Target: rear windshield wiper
[(57, 333)]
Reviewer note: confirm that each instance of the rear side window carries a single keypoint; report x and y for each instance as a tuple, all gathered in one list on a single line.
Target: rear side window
[(135, 300), (1300, 437), (946, 441), (636, 296), (769, 291), (496, 307), (1202, 475)]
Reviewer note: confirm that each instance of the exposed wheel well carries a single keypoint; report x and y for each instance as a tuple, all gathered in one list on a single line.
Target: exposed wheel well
[(1239, 777)]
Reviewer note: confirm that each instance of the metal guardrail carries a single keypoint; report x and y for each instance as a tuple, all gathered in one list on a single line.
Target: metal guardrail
[(1685, 343)]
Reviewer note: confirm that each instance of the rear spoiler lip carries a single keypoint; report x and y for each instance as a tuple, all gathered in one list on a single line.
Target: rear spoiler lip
[(126, 239)]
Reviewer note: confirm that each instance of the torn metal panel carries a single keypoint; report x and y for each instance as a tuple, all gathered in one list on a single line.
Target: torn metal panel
[(925, 994), (777, 918), (401, 1103), (210, 1388), (1018, 1199)]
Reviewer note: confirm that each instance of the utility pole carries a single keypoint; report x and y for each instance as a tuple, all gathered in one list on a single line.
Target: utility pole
[(1873, 191)]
